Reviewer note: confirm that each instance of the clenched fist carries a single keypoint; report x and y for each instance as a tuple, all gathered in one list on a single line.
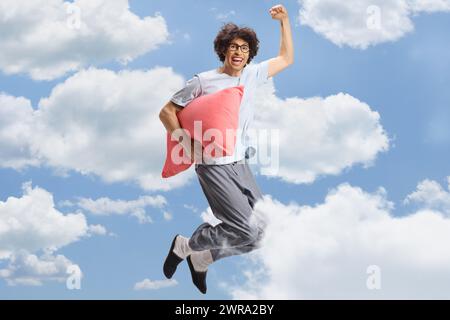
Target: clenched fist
[(278, 12)]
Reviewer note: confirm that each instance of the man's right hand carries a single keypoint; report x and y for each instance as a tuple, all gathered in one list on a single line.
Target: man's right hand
[(192, 148), (197, 154)]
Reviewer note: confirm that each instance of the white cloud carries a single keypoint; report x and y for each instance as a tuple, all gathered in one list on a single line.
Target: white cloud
[(323, 251), (16, 129), (97, 229), (97, 122), (47, 39), (317, 136), (429, 5), (208, 216), (362, 23), (147, 284), (30, 270), (30, 224), (136, 208), (431, 195), (105, 123)]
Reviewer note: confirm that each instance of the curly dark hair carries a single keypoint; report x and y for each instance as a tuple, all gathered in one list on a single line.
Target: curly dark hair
[(230, 31)]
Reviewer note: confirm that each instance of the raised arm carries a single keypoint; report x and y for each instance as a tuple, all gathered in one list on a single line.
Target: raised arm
[(286, 55)]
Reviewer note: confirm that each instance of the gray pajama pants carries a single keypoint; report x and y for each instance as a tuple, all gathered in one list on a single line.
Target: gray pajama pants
[(231, 191)]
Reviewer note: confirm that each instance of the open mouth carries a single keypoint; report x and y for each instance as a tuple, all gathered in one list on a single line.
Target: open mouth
[(236, 61)]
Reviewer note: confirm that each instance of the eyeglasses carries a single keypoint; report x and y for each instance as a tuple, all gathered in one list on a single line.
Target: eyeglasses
[(234, 47)]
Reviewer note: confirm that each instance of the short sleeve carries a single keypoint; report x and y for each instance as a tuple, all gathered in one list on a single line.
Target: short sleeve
[(262, 72), (191, 91)]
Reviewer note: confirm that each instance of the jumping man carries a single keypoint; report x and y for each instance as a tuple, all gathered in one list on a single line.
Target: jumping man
[(227, 182)]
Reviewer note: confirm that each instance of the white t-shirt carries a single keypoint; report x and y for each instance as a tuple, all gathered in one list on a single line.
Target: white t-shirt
[(252, 76)]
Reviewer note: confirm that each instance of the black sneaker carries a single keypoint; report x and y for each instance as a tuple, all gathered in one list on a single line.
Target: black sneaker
[(198, 277), (172, 261)]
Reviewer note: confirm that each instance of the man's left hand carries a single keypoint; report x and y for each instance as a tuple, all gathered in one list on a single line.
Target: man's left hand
[(278, 12)]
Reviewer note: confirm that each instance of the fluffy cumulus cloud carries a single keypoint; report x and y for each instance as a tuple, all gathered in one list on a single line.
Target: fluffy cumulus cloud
[(148, 284), (106, 123), (349, 246), (362, 23), (16, 129), (30, 224), (96, 122), (314, 136), (47, 39)]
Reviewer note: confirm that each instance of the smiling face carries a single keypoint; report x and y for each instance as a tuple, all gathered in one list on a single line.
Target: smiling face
[(235, 58)]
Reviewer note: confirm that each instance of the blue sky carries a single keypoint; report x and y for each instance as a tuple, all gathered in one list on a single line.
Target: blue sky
[(405, 80)]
